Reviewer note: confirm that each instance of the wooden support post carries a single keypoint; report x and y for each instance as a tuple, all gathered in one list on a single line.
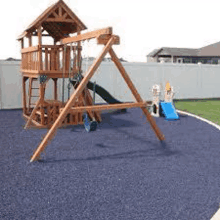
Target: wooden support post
[(46, 59), (54, 112), (22, 43), (58, 59), (74, 62), (49, 60), (42, 92), (30, 40), (40, 59), (24, 94), (22, 55), (130, 84), (72, 100), (40, 47), (52, 58), (67, 59), (28, 61), (55, 59), (30, 93), (48, 115), (55, 88), (78, 59)]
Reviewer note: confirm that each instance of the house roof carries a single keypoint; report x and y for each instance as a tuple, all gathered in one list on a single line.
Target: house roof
[(210, 50), (154, 52), (174, 52), (12, 59), (65, 24)]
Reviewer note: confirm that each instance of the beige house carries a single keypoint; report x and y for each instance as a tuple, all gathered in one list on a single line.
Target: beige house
[(207, 55)]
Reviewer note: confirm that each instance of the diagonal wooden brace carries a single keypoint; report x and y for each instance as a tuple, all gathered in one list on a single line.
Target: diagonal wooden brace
[(137, 96), (72, 99)]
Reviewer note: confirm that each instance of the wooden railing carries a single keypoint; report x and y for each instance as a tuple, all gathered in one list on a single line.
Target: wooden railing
[(30, 59), (46, 59)]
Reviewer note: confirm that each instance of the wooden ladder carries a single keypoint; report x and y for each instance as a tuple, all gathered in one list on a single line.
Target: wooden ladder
[(31, 103)]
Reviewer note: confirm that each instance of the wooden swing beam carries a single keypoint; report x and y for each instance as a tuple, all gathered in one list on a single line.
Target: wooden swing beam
[(88, 36)]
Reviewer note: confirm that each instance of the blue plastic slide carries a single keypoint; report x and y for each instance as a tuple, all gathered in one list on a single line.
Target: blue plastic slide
[(169, 111)]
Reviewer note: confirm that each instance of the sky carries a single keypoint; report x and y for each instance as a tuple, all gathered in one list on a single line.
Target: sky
[(142, 25)]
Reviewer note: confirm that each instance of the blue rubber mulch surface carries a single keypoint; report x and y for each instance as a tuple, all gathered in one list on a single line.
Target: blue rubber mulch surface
[(120, 171)]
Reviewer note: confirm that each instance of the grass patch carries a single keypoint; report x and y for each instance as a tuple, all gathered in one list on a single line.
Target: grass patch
[(208, 109)]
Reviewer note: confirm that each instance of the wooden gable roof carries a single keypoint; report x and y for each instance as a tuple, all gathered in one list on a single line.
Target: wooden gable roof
[(58, 20)]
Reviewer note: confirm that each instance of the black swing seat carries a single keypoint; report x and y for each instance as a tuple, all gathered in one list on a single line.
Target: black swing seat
[(89, 125)]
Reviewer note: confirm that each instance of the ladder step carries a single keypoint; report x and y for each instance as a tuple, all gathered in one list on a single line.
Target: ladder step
[(35, 96), (34, 88)]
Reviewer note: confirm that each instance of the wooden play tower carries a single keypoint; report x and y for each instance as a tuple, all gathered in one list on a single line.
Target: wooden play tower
[(41, 63)]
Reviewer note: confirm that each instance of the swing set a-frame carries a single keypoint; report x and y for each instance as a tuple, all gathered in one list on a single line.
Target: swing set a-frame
[(59, 21)]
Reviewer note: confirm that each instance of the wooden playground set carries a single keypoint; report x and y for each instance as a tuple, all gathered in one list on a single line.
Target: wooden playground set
[(44, 62)]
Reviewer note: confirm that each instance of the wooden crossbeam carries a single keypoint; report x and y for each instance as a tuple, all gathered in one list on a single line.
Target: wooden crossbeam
[(106, 107), (137, 96), (29, 71), (87, 36), (43, 35), (72, 100), (59, 19), (29, 49)]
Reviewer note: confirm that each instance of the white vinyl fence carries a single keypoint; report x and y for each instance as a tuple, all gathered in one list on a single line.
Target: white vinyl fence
[(188, 80)]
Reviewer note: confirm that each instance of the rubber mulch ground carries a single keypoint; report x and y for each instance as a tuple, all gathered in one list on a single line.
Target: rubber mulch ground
[(120, 171)]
